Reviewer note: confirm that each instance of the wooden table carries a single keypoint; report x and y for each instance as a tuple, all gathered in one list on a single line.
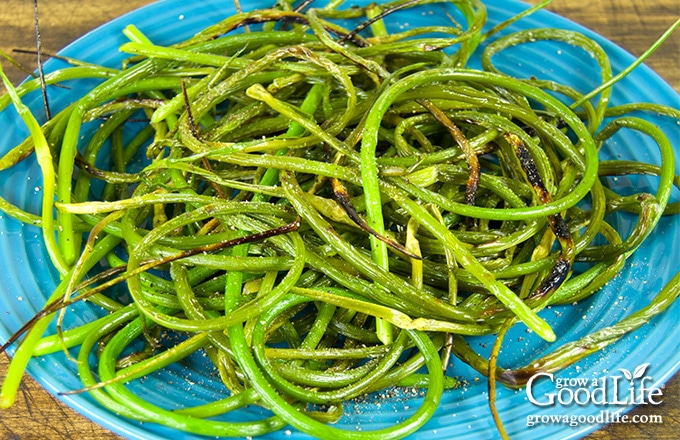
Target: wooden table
[(633, 24)]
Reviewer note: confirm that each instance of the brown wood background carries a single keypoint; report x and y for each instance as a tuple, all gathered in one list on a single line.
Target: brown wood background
[(633, 24)]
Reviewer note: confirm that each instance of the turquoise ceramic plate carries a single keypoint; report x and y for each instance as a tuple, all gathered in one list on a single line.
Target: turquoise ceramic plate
[(25, 279)]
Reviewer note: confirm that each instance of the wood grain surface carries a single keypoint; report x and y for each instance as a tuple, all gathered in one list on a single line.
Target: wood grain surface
[(633, 24)]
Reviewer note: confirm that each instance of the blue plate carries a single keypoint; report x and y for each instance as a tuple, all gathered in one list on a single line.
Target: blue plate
[(25, 280)]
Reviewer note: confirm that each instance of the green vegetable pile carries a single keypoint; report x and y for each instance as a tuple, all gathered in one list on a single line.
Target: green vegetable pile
[(326, 212)]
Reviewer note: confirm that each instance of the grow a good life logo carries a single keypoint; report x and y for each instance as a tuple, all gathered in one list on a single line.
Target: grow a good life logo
[(618, 390), (630, 388)]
